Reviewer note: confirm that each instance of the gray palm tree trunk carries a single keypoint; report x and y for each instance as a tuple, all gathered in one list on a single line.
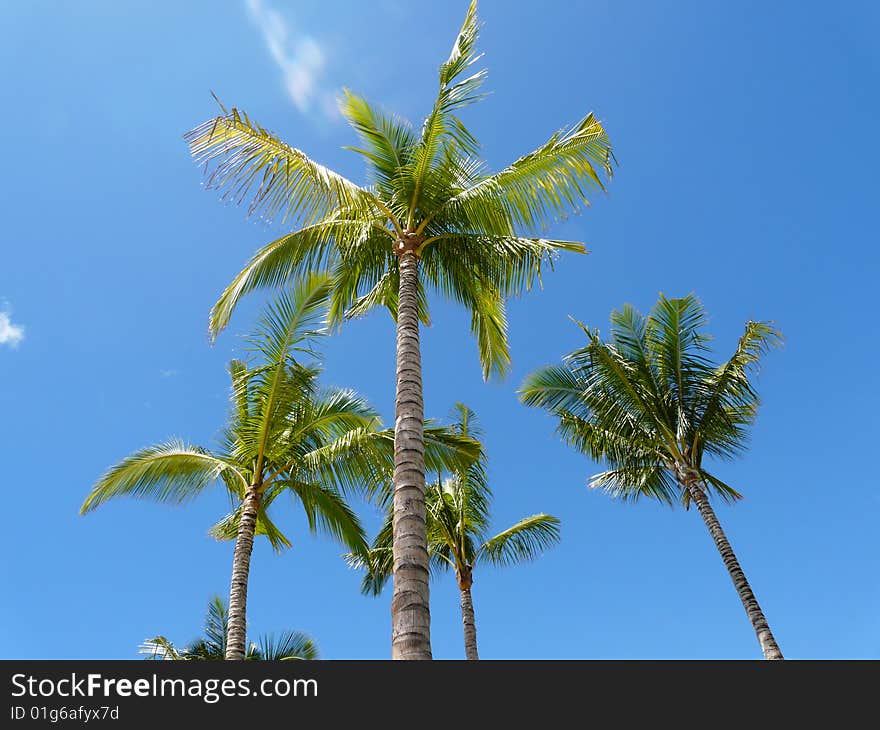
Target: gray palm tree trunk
[(468, 620), (236, 622), (410, 611), (750, 603)]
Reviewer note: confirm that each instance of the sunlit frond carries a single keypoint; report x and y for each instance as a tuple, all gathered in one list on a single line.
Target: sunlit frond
[(248, 162), (171, 472), (541, 187), (523, 541)]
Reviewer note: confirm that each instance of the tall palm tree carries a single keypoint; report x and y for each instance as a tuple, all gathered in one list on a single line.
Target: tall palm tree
[(651, 404), (284, 435), (212, 646), (457, 528), (431, 217)]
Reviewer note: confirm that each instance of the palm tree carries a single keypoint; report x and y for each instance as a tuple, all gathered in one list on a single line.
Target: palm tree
[(432, 217), (212, 646), (457, 527), (284, 435), (651, 404)]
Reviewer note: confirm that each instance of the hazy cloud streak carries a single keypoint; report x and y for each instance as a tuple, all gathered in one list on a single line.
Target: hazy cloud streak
[(299, 57)]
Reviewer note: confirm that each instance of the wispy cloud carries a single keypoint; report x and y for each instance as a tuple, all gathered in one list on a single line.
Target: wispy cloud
[(300, 58), (10, 334), (169, 373)]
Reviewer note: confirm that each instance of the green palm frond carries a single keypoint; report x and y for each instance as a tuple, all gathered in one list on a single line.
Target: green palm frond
[(327, 511), (539, 188), (454, 94), (388, 141), (729, 402), (171, 472), (159, 648), (378, 563), (289, 645), (295, 255), (523, 541)]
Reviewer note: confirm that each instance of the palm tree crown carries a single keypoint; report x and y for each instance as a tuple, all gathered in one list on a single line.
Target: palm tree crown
[(651, 404), (428, 192), (212, 646)]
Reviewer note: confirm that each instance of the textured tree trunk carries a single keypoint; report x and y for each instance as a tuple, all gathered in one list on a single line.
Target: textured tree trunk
[(410, 612), (750, 603), (468, 621), (236, 624)]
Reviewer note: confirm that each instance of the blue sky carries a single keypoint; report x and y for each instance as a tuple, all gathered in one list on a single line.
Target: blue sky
[(746, 134)]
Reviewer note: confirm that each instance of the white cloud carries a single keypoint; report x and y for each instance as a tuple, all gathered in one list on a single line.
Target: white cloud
[(299, 57), (10, 334)]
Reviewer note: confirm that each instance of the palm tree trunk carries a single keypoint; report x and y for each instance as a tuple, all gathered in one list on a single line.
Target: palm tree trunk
[(468, 621), (410, 612), (753, 610), (236, 623)]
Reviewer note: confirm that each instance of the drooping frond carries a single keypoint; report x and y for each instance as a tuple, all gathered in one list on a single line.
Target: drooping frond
[(378, 562), (636, 478), (523, 541), (171, 472), (247, 162), (327, 511), (284, 260), (227, 527)]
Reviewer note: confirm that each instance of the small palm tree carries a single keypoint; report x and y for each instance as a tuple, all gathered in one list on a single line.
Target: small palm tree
[(212, 646), (432, 217), (458, 523), (651, 405), (285, 435)]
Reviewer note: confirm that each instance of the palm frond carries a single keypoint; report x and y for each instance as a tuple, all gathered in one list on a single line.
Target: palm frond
[(289, 645), (227, 527), (454, 94), (294, 255), (327, 511), (541, 187), (248, 162), (388, 140), (521, 542), (172, 472), (159, 648), (729, 403)]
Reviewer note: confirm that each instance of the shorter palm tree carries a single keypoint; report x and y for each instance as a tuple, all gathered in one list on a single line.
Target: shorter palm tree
[(285, 435), (212, 646), (457, 524), (651, 404)]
